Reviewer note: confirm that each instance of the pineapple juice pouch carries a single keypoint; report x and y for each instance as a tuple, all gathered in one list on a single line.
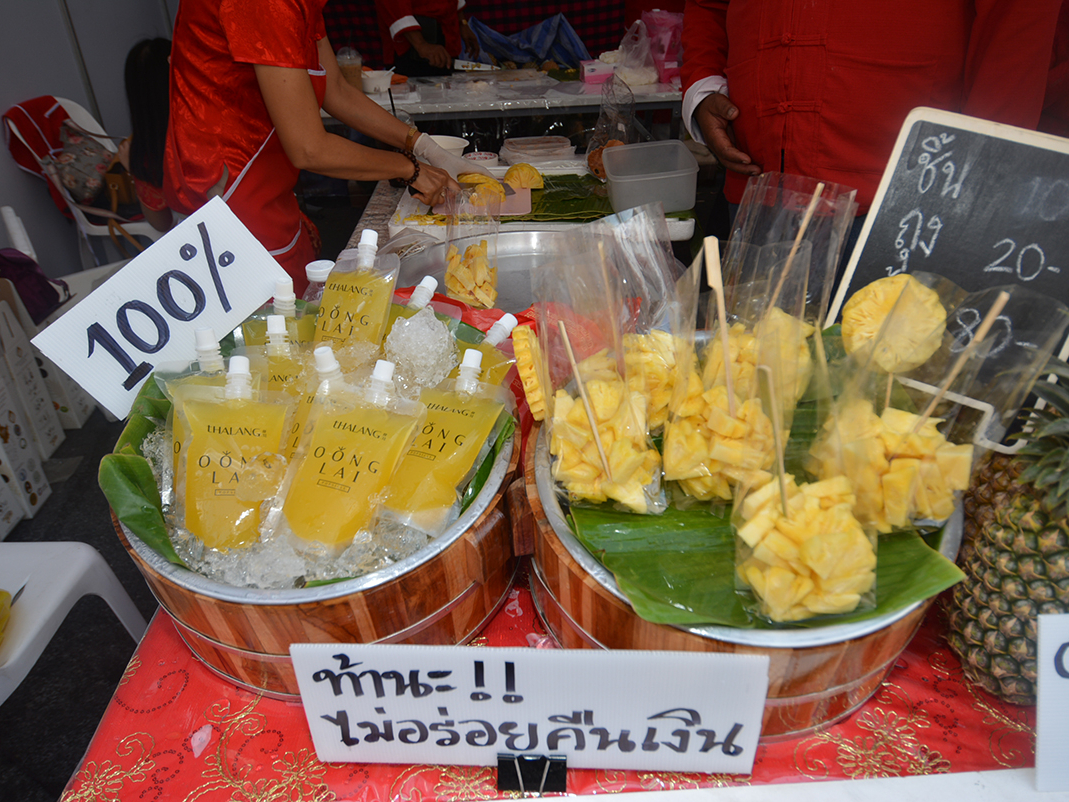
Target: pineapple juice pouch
[(210, 372), (229, 440), (345, 462), (357, 296), (283, 364), (301, 327), (496, 361), (462, 415), (420, 297), (325, 370), (317, 273)]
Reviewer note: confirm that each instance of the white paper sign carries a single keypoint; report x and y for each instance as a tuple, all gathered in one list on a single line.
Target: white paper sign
[(676, 711), (1052, 709), (209, 271)]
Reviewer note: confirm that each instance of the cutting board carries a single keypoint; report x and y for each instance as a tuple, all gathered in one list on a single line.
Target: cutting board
[(518, 202)]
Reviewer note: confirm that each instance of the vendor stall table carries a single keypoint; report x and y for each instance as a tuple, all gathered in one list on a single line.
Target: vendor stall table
[(489, 94), (176, 730)]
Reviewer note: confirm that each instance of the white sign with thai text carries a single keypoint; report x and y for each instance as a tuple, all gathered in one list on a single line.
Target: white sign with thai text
[(659, 711), (1052, 709), (208, 271)]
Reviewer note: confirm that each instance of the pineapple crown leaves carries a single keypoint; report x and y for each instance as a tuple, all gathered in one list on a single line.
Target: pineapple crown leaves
[(1047, 449)]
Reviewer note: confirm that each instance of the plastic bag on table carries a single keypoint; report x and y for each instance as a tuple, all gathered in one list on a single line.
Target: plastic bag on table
[(773, 209), (800, 551), (665, 34), (636, 65), (722, 425), (616, 123), (655, 304), (598, 430), (474, 218)]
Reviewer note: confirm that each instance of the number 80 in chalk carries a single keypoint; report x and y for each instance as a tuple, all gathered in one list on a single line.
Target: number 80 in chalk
[(96, 333)]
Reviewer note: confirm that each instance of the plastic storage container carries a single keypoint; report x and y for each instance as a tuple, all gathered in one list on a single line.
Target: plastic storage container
[(651, 171)]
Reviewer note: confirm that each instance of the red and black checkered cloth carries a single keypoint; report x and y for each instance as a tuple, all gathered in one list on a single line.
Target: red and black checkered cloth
[(599, 23)]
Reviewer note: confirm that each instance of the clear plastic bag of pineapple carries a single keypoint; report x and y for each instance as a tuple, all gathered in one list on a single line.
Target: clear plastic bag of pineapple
[(660, 307), (719, 433), (800, 551), (474, 216), (899, 461), (597, 408)]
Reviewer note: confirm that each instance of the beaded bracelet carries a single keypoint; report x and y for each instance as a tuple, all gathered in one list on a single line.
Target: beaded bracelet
[(407, 182)]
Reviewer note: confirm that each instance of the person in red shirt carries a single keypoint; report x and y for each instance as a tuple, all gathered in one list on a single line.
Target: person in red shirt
[(422, 37), (820, 88), (248, 79)]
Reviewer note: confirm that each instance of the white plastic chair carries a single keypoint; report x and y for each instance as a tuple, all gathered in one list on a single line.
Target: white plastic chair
[(84, 120), (53, 576)]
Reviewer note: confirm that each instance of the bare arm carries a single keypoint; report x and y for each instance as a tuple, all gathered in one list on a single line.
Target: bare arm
[(436, 55), (291, 103)]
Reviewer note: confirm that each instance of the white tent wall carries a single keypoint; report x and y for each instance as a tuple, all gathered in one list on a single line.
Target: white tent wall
[(74, 49)]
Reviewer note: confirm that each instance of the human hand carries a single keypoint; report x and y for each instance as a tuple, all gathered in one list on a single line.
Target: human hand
[(427, 150), (714, 116), (436, 55), (471, 41), (432, 183)]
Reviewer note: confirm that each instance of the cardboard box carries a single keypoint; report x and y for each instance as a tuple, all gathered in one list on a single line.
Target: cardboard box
[(40, 413), (20, 462), (73, 405), (595, 72), (11, 511)]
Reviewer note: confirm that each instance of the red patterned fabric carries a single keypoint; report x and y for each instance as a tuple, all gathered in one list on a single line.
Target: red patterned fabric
[(924, 719)]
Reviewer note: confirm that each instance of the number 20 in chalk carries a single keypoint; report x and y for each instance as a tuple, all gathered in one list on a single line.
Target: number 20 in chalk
[(96, 333)]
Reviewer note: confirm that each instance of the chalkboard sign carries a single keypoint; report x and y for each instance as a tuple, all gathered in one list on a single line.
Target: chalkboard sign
[(980, 203)]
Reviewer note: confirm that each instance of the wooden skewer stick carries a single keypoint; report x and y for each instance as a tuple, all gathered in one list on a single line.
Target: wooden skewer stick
[(887, 395), (981, 332), (797, 243), (590, 416), (715, 279), (777, 437)]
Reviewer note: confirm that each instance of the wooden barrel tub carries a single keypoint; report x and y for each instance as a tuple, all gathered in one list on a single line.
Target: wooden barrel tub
[(442, 595), (816, 676)]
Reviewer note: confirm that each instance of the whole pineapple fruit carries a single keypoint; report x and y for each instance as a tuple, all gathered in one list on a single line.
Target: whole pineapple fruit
[(1015, 555)]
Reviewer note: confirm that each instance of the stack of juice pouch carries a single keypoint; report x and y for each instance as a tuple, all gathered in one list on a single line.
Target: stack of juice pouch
[(283, 441)]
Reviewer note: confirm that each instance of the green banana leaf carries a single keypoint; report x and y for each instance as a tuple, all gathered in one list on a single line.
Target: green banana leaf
[(678, 568)]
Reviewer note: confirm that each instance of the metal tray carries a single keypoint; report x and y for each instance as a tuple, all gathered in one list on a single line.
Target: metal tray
[(519, 255)]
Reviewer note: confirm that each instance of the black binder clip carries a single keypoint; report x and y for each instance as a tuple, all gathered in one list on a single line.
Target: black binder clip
[(532, 774)]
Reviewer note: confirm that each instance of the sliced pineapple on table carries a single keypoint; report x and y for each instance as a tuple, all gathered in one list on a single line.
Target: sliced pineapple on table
[(898, 475), (918, 323), (470, 278), (620, 417), (812, 558), (523, 176)]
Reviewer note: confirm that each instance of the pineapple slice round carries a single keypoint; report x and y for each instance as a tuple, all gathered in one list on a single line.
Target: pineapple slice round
[(918, 321), (529, 366), (523, 176)]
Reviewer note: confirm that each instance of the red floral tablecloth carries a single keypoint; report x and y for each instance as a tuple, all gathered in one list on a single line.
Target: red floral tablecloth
[(175, 730)]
